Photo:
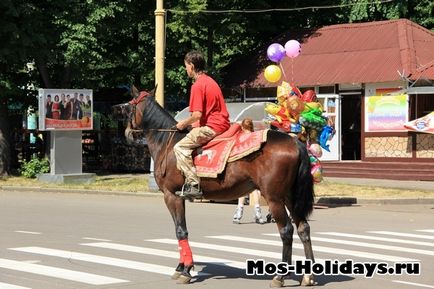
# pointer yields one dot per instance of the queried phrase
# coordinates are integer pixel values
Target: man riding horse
(280, 169)
(210, 117)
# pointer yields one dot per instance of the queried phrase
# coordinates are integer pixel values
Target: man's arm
(195, 116)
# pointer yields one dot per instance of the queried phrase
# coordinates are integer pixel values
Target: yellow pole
(159, 51)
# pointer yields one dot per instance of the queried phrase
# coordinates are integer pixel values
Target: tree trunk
(66, 79)
(43, 71)
(5, 152)
(210, 47)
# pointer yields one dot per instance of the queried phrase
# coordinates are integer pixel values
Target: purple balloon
(292, 48)
(275, 52)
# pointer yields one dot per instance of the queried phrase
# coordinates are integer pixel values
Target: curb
(350, 201)
(336, 201)
(329, 202)
(420, 201)
(79, 191)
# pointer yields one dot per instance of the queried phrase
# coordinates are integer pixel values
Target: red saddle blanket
(210, 160)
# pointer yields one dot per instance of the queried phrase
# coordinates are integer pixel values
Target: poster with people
(65, 109)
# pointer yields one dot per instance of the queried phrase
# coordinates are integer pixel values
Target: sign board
(65, 109)
(386, 112)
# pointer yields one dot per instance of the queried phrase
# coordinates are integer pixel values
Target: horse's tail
(303, 193)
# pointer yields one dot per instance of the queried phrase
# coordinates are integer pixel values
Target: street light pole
(159, 50)
(160, 15)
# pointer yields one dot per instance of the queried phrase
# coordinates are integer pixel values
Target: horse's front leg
(176, 208)
(285, 230)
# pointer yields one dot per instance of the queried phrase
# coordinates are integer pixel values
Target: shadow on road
(221, 271)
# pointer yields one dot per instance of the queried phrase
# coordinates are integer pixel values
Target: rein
(163, 162)
(134, 102)
(155, 129)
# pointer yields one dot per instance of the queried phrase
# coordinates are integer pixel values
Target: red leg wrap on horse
(181, 253)
(185, 252)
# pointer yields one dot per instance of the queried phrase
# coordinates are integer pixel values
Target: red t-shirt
(207, 97)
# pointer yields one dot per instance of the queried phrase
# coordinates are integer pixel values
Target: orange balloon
(272, 73)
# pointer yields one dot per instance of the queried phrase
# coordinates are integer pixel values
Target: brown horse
(280, 170)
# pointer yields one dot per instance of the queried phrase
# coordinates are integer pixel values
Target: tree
(420, 11)
(423, 12)
(4, 150)
(13, 76)
(107, 43)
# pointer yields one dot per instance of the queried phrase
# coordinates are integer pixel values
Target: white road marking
(239, 250)
(31, 261)
(95, 239)
(165, 253)
(29, 232)
(59, 273)
(147, 267)
(374, 245)
(317, 248)
(403, 235)
(413, 284)
(427, 231)
(11, 286)
(365, 237)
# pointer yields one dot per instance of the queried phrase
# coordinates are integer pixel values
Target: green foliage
(106, 43)
(424, 13)
(107, 121)
(34, 167)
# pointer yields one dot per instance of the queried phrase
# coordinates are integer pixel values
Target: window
(424, 104)
(326, 89)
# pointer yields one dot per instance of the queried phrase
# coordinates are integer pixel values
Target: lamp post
(160, 37)
(159, 50)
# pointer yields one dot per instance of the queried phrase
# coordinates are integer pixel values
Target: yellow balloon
(272, 73)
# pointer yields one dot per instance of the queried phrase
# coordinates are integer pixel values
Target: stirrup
(190, 192)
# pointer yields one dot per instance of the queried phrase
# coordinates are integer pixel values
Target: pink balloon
(292, 48)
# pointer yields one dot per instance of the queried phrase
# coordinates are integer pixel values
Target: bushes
(34, 167)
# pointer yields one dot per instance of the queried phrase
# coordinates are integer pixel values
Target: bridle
(132, 117)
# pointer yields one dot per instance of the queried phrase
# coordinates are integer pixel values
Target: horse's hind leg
(303, 230)
(285, 230)
(176, 208)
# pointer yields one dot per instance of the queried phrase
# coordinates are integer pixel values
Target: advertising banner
(423, 124)
(65, 109)
(386, 112)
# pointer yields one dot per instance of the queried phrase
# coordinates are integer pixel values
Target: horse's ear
(134, 91)
(152, 92)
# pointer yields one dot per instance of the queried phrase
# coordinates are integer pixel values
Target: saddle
(210, 160)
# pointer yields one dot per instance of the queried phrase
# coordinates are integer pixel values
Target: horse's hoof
(184, 279)
(178, 271)
(307, 280)
(277, 282)
(176, 275)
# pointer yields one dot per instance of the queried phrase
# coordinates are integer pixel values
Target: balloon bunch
(300, 114)
(276, 52)
(315, 152)
(297, 113)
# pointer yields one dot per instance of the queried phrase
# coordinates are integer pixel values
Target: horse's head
(133, 112)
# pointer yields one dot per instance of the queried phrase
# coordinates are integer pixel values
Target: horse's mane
(154, 118)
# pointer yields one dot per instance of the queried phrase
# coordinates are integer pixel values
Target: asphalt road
(51, 241)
